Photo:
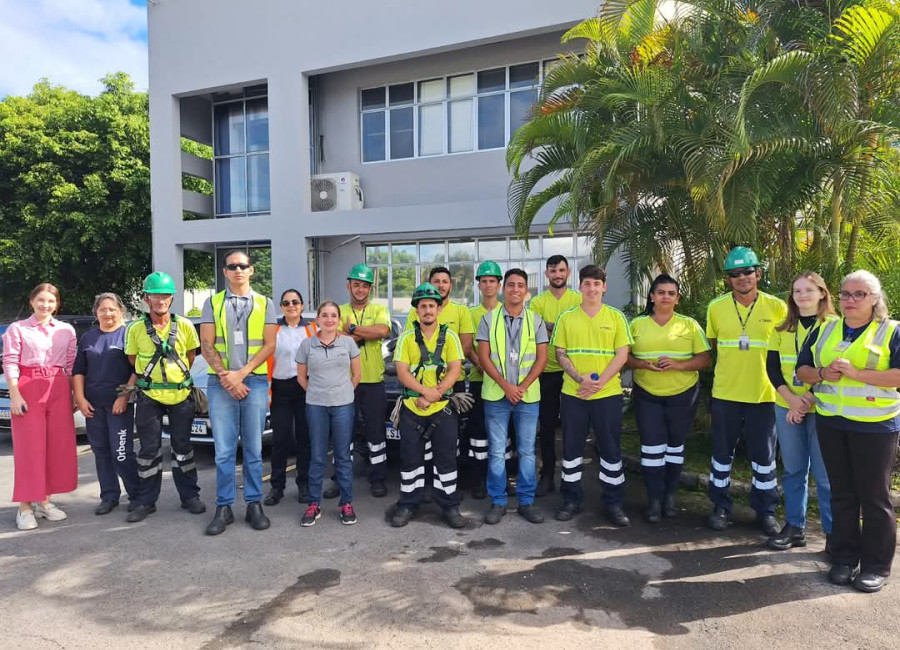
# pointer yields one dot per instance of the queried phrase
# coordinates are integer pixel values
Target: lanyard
(797, 346)
(749, 313)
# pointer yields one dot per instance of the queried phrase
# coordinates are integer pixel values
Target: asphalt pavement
(99, 582)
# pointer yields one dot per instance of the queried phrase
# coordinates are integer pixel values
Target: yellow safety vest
(849, 398)
(256, 324)
(789, 344)
(491, 390)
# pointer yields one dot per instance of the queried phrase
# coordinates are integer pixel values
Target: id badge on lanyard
(796, 381)
(744, 342)
(238, 337)
(843, 345)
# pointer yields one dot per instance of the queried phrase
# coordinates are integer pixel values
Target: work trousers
(44, 437)
(371, 404)
(148, 421)
(859, 468)
(290, 432)
(551, 391)
(757, 423)
(421, 444)
(604, 416)
(111, 438)
(663, 424)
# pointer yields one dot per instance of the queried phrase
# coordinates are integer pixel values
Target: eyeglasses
(235, 267)
(856, 296)
(288, 303)
(739, 272)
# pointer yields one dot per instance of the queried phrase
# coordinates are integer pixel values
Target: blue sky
(71, 42)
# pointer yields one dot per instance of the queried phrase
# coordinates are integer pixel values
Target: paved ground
(97, 582)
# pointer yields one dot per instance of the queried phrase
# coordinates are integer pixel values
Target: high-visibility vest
(849, 398)
(256, 324)
(491, 390)
(788, 344)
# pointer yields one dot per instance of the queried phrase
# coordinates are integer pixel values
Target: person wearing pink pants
(38, 354)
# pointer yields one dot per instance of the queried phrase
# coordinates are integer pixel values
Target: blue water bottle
(595, 376)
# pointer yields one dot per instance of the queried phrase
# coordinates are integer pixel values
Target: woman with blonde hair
(38, 354)
(854, 366)
(809, 307)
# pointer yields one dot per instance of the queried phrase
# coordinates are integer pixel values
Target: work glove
(462, 402)
(124, 389)
(395, 414)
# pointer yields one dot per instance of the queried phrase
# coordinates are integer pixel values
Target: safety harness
(165, 350)
(427, 358)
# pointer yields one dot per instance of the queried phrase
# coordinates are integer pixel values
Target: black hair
(236, 251)
(553, 260)
(439, 269)
(662, 278)
(593, 272)
(287, 291)
(522, 274)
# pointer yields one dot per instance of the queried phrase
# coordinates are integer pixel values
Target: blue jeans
(338, 422)
(496, 419)
(799, 453)
(234, 420)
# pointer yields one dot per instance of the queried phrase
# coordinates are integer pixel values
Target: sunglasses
(738, 273)
(288, 303)
(235, 267)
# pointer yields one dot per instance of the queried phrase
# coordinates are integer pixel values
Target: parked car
(81, 324)
(201, 427)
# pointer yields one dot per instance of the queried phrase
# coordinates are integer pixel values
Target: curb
(700, 481)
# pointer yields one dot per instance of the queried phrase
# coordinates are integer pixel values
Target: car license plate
(4, 415)
(198, 428)
(390, 433)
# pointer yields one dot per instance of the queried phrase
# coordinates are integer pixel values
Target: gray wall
(201, 46)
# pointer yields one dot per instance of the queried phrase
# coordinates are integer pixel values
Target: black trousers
(757, 423)
(859, 469)
(663, 424)
(551, 389)
(290, 432)
(416, 452)
(148, 421)
(371, 405)
(112, 441)
(476, 435)
(604, 416)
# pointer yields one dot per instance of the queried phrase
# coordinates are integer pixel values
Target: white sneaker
(25, 520)
(49, 512)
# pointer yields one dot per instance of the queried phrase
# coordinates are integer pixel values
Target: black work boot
(256, 517)
(789, 537)
(220, 520)
(454, 517)
(616, 516)
(274, 496)
(767, 524)
(653, 513)
(401, 516)
(670, 508)
(718, 519)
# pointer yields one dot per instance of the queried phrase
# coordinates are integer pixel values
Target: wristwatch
(352, 328)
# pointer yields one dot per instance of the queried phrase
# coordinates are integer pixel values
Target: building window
(401, 267)
(444, 115)
(241, 154)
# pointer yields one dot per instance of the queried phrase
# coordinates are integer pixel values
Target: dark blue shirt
(101, 359)
(805, 358)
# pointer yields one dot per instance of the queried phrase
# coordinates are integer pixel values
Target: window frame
(417, 103)
(246, 155)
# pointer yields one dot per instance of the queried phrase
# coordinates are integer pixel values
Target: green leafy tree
(74, 193)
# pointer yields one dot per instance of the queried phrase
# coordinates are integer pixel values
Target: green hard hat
(426, 290)
(159, 282)
(488, 268)
(740, 257)
(362, 272)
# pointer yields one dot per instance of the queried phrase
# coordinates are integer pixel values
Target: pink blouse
(28, 343)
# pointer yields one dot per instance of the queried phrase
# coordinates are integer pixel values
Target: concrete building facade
(416, 99)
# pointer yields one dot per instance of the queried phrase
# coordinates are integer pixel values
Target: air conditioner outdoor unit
(335, 192)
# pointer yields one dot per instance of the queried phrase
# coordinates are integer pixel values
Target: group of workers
(794, 375)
